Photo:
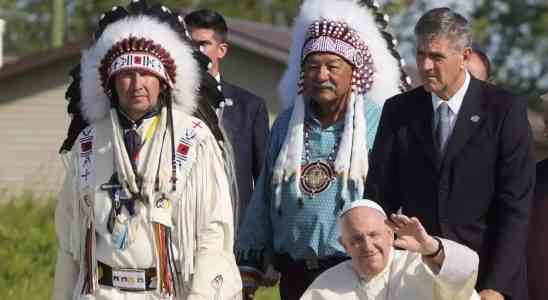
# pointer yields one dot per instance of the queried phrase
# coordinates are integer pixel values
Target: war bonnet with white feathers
(356, 31)
(158, 33)
(152, 37)
(370, 24)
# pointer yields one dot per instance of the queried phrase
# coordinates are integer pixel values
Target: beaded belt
(124, 279)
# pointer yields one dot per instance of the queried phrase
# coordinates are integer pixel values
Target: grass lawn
(28, 250)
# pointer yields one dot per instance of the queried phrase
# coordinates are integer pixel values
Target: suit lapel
(226, 89)
(470, 117)
(421, 125)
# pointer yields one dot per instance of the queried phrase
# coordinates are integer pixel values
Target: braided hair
(382, 20)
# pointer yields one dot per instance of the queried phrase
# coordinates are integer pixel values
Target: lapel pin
(475, 118)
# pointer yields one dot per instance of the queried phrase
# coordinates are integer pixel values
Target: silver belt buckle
(312, 263)
(129, 279)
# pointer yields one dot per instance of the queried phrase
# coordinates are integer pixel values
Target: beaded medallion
(316, 177)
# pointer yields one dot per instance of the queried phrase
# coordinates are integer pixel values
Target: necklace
(316, 176)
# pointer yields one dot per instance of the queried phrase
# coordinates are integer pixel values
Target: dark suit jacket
(479, 193)
(246, 123)
(537, 252)
(209, 97)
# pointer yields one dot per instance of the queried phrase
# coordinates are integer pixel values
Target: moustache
(138, 94)
(326, 85)
(428, 75)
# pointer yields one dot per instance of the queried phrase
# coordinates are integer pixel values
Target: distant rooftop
(10, 58)
(272, 41)
(264, 39)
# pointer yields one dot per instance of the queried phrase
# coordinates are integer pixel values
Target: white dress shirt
(455, 102)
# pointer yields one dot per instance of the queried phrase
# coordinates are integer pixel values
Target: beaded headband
(137, 54)
(338, 38)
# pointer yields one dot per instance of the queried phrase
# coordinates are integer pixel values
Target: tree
(512, 33)
(58, 24)
(25, 23)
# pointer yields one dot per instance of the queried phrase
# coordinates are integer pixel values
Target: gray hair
(443, 22)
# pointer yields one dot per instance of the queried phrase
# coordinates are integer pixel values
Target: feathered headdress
(139, 37)
(160, 36)
(356, 31)
(370, 24)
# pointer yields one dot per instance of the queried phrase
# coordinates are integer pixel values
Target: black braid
(382, 23)
(77, 123)
(382, 20)
(115, 14)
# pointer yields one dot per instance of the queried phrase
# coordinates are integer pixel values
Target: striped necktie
(442, 128)
(133, 142)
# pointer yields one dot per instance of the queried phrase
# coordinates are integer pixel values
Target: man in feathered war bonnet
(342, 67)
(145, 211)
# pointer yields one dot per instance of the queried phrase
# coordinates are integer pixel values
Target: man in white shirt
(427, 267)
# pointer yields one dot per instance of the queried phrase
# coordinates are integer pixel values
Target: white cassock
(406, 276)
(201, 214)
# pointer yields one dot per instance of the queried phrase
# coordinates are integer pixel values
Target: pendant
(119, 199)
(161, 211)
(316, 177)
(124, 231)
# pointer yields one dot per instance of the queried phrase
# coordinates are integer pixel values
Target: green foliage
(27, 248)
(267, 294)
(29, 26)
(514, 35)
(26, 25)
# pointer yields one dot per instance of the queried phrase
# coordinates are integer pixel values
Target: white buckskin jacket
(200, 216)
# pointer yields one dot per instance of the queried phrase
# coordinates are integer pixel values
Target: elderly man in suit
(242, 115)
(456, 153)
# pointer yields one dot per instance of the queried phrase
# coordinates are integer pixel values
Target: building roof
(23, 64)
(263, 39)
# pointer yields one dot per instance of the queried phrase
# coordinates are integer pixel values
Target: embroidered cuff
(460, 264)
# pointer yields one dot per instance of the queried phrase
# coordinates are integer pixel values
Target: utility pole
(2, 24)
(58, 23)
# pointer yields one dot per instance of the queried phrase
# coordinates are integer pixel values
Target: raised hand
(411, 235)
(490, 295)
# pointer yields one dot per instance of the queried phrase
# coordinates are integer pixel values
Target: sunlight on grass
(28, 249)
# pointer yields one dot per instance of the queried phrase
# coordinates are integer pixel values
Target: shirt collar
(455, 102)
(218, 77)
(313, 120)
(128, 123)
